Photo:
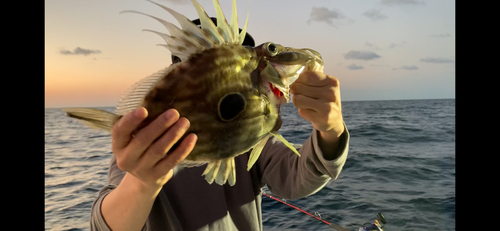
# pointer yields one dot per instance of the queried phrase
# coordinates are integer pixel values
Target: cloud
(80, 51)
(441, 35)
(374, 15)
(402, 2)
(362, 55)
(371, 45)
(354, 67)
(393, 45)
(323, 14)
(436, 60)
(412, 67)
(380, 65)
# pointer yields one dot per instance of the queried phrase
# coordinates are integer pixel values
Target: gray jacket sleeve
(115, 176)
(290, 176)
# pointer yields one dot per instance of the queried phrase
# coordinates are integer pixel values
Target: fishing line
(365, 227)
(316, 214)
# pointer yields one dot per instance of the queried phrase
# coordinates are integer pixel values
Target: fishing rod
(376, 226)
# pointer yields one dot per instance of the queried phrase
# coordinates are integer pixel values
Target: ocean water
(401, 163)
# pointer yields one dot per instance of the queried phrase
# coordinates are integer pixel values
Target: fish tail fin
(221, 171)
(94, 118)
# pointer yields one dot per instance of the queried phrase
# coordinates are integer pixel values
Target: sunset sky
(378, 49)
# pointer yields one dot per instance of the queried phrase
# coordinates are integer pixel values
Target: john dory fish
(230, 93)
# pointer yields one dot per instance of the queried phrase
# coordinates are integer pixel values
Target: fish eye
(272, 49)
(230, 106)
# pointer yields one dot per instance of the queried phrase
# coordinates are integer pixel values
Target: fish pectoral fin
(282, 139)
(254, 155)
(94, 118)
(221, 171)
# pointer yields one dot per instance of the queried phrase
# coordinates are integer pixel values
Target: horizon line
(363, 100)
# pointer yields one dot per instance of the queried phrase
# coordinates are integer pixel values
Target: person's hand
(142, 153)
(317, 96)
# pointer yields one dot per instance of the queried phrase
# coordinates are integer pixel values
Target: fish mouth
(279, 94)
(287, 75)
(281, 66)
(287, 66)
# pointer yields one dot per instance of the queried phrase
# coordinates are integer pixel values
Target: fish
(230, 93)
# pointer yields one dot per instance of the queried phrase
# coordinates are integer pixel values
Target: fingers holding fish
(317, 96)
(323, 93)
(177, 156)
(157, 150)
(128, 155)
(308, 106)
(144, 156)
(317, 85)
(123, 130)
(156, 158)
(147, 135)
(317, 79)
(324, 117)
(313, 110)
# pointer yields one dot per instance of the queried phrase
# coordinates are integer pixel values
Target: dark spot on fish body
(231, 105)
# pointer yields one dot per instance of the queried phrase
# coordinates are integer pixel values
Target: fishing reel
(375, 226)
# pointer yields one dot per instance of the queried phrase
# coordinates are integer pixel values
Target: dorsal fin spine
(222, 23)
(207, 24)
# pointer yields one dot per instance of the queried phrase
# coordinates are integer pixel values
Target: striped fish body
(215, 92)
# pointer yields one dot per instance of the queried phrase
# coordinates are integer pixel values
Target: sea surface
(401, 163)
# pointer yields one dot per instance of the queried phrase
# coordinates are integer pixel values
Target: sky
(378, 49)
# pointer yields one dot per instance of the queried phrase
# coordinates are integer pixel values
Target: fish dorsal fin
(207, 24)
(188, 26)
(134, 96)
(191, 39)
(222, 25)
(244, 30)
(234, 23)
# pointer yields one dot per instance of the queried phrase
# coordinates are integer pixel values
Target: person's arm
(127, 207)
(123, 193)
(139, 168)
(317, 97)
(290, 176)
